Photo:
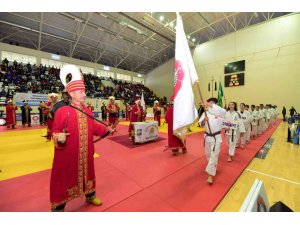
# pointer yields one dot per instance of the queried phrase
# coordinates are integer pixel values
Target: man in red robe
(127, 112)
(174, 142)
(112, 110)
(11, 114)
(157, 112)
(73, 173)
(135, 116)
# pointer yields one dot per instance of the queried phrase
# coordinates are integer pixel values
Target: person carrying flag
(215, 115)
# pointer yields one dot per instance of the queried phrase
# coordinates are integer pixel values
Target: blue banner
(32, 98)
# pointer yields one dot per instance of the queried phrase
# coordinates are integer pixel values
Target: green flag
(220, 94)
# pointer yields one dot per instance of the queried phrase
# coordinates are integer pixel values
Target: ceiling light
(55, 56)
(78, 20)
(188, 37)
(161, 18)
(103, 15)
(139, 75)
(100, 29)
(193, 40)
(172, 24)
(106, 68)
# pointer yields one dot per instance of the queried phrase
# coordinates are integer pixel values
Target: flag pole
(202, 101)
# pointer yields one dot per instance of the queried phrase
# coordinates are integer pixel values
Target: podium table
(144, 132)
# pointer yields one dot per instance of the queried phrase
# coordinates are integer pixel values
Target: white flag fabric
(143, 101)
(185, 112)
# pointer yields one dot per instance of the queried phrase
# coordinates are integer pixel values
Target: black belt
(212, 135)
(232, 134)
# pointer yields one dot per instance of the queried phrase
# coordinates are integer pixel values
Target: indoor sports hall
(150, 62)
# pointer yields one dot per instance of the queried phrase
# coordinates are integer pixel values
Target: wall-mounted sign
(234, 80)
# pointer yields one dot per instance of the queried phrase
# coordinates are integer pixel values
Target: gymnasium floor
(279, 172)
(144, 178)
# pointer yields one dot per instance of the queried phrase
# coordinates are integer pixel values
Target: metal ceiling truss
(71, 41)
(135, 41)
(40, 33)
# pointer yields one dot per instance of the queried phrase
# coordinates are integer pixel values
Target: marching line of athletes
(239, 127)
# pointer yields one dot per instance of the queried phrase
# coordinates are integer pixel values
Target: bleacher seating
(18, 77)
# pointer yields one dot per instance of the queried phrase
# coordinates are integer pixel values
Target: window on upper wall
(104, 73)
(138, 80)
(121, 76)
(20, 58)
(86, 70)
(50, 63)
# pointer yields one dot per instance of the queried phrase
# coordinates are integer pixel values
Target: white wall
(272, 54)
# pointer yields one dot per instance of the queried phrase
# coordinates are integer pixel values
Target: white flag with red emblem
(185, 112)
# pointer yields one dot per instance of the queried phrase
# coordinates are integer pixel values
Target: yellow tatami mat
(24, 152)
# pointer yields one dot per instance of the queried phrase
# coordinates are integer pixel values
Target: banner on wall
(32, 98)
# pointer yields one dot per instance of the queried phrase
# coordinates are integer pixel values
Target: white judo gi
(254, 122)
(235, 125)
(245, 119)
(213, 140)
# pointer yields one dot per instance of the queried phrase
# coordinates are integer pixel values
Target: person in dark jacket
(292, 111)
(284, 113)
(26, 117)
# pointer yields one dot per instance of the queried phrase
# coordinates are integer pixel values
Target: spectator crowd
(19, 77)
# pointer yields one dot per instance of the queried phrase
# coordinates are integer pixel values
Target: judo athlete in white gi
(232, 125)
(254, 120)
(272, 115)
(212, 137)
(245, 119)
(262, 119)
(255, 124)
(248, 128)
(268, 116)
(276, 113)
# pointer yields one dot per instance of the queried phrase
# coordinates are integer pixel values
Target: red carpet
(143, 178)
(124, 140)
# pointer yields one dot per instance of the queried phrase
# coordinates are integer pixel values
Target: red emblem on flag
(179, 76)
